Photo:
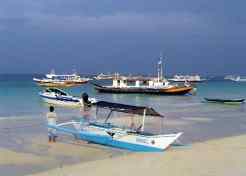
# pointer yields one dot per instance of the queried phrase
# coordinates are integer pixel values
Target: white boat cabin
(151, 83)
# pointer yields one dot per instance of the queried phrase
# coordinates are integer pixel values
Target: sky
(92, 36)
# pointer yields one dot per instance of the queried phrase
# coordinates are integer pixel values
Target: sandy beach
(216, 157)
(26, 151)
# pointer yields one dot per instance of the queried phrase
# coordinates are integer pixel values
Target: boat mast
(160, 69)
(161, 76)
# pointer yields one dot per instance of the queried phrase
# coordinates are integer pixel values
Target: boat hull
(169, 91)
(61, 102)
(59, 84)
(224, 101)
(132, 142)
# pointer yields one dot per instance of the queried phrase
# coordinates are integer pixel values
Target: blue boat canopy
(130, 109)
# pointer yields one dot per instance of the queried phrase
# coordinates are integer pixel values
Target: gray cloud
(199, 32)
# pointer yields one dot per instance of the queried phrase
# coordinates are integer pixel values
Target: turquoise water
(19, 98)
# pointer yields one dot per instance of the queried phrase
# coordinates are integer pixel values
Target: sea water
(198, 120)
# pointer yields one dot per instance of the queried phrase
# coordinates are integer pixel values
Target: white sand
(225, 157)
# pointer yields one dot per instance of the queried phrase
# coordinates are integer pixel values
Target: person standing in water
(51, 119)
(85, 109)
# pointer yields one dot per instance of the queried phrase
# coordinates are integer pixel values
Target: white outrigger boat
(108, 134)
(58, 97)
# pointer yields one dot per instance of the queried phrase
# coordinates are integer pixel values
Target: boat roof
(65, 75)
(56, 90)
(130, 109)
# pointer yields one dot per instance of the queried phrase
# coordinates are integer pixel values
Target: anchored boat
(158, 85)
(106, 133)
(162, 89)
(103, 76)
(58, 97)
(61, 81)
(225, 101)
(187, 78)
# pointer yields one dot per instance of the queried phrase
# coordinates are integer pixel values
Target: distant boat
(235, 78)
(226, 101)
(230, 77)
(240, 79)
(187, 78)
(58, 97)
(61, 81)
(159, 85)
(103, 76)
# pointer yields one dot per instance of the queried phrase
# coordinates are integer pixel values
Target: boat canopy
(55, 90)
(130, 109)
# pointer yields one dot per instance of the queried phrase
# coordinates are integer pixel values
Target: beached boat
(225, 101)
(106, 133)
(157, 85)
(61, 81)
(187, 78)
(58, 97)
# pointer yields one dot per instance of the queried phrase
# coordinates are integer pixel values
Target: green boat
(225, 101)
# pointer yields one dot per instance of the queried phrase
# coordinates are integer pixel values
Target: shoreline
(214, 157)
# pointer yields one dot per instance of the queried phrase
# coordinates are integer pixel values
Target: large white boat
(158, 85)
(109, 134)
(187, 78)
(54, 96)
(54, 80)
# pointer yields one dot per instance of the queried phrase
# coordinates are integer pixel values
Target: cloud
(119, 22)
(202, 31)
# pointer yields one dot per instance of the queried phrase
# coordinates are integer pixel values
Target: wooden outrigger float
(125, 138)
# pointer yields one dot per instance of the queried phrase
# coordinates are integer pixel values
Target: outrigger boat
(61, 81)
(106, 133)
(158, 85)
(58, 97)
(225, 101)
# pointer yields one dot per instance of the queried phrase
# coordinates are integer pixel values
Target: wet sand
(223, 157)
(24, 150)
